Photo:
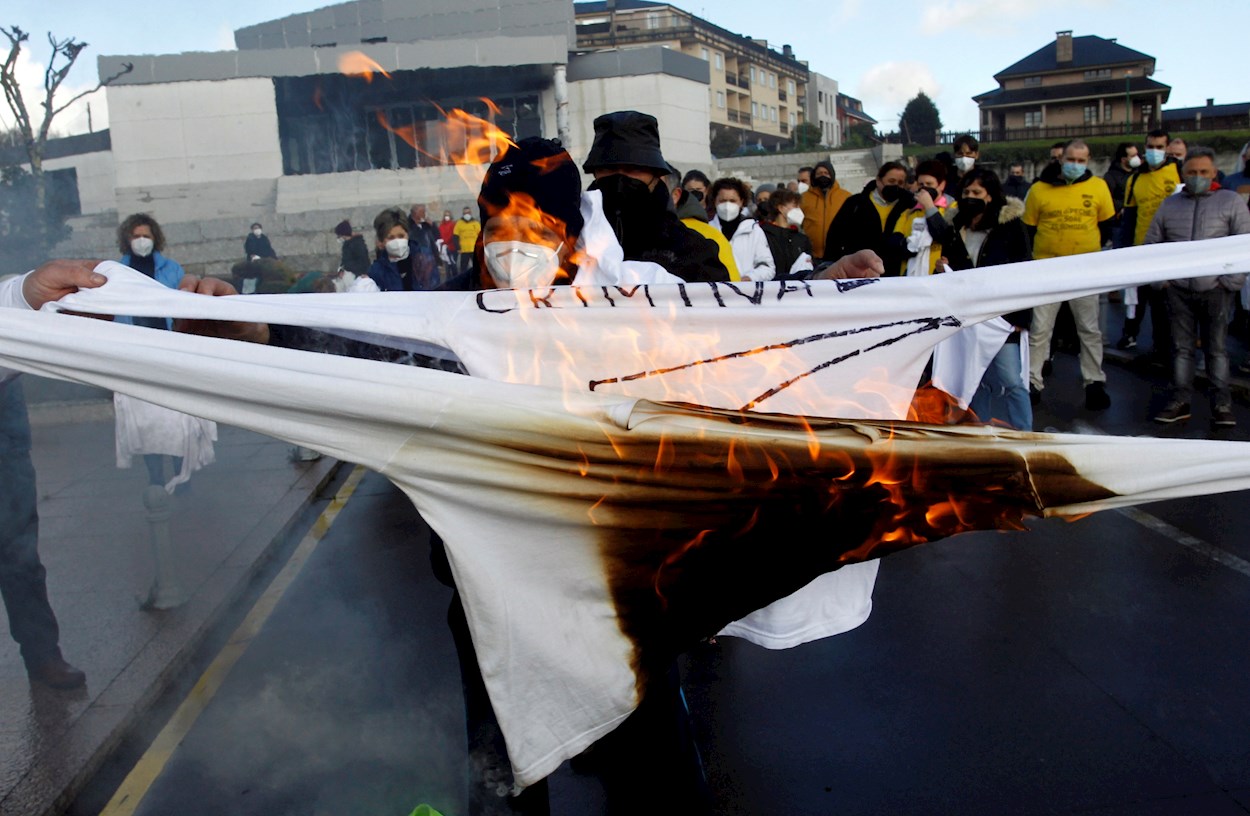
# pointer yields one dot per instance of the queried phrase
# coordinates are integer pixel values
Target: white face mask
(795, 217)
(518, 265)
(397, 248)
(257, 232)
(965, 163)
(1134, 162)
(727, 210)
(803, 187)
(467, 217)
(141, 246)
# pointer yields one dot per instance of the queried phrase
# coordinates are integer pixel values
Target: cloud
(30, 73)
(886, 88)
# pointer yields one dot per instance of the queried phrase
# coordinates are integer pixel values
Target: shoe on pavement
(56, 673)
(1126, 343)
(1222, 417)
(1096, 397)
(1174, 412)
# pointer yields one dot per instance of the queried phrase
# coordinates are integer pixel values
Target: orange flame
(355, 63)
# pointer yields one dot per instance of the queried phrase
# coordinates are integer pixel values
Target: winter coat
(168, 273)
(792, 251)
(750, 248)
(819, 210)
(1006, 242)
(1117, 182)
(858, 226)
(258, 246)
(1187, 217)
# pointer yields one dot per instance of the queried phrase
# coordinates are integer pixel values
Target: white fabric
(572, 470)
(803, 263)
(362, 285)
(918, 244)
(750, 250)
(343, 280)
(142, 428)
(960, 361)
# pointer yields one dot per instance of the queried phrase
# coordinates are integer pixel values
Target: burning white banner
(621, 528)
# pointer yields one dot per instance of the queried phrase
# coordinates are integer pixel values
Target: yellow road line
(150, 766)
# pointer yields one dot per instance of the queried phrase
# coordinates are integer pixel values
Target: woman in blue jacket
(141, 240)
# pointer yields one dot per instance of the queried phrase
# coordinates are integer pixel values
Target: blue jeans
(1002, 394)
(22, 576)
(1206, 312)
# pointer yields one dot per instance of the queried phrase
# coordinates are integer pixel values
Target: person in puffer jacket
(1201, 211)
(750, 246)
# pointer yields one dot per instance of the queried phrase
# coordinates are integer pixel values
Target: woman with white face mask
(141, 242)
(781, 220)
(750, 246)
(394, 268)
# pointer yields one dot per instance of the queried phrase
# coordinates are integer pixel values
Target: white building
(276, 132)
(822, 108)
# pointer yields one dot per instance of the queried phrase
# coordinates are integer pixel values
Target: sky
(881, 54)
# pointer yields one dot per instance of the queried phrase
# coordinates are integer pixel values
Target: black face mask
(933, 193)
(970, 208)
(892, 192)
(634, 212)
(823, 182)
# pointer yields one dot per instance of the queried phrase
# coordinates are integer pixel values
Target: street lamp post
(1128, 103)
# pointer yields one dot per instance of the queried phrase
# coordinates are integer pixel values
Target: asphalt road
(1096, 667)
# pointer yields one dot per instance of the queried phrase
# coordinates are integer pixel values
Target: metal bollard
(166, 592)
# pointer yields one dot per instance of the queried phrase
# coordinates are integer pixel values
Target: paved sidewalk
(94, 542)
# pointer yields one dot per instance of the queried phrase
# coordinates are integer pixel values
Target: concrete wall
(680, 105)
(188, 150)
(853, 168)
(96, 193)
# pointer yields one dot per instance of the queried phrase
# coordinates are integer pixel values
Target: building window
(820, 97)
(774, 114)
(1033, 80)
(1098, 73)
(1147, 113)
(1090, 114)
(720, 62)
(655, 20)
(792, 120)
(703, 54)
(1107, 113)
(752, 74)
(720, 99)
(772, 80)
(755, 109)
(790, 86)
(1033, 118)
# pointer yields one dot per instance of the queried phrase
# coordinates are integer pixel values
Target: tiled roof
(1087, 52)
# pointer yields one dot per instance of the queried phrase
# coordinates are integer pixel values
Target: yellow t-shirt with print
(1067, 216)
(1146, 191)
(466, 232)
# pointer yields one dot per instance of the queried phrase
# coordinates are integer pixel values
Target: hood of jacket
(692, 208)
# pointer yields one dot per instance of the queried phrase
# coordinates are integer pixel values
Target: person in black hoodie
(989, 232)
(781, 219)
(628, 167)
(868, 218)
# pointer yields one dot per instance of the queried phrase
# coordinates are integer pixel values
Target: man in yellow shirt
(1069, 211)
(1144, 191)
(466, 232)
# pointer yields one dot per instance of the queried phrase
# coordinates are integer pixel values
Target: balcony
(737, 80)
(785, 127)
(739, 117)
(781, 94)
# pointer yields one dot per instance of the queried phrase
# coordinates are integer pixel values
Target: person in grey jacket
(1201, 211)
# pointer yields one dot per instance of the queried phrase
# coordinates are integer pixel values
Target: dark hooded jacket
(858, 226)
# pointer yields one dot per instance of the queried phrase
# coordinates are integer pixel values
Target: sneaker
(1222, 417)
(1126, 343)
(1096, 397)
(1174, 412)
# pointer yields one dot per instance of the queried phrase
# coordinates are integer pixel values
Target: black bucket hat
(626, 138)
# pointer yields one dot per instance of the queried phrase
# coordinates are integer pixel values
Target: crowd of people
(942, 214)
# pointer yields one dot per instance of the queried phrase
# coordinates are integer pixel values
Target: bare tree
(35, 138)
